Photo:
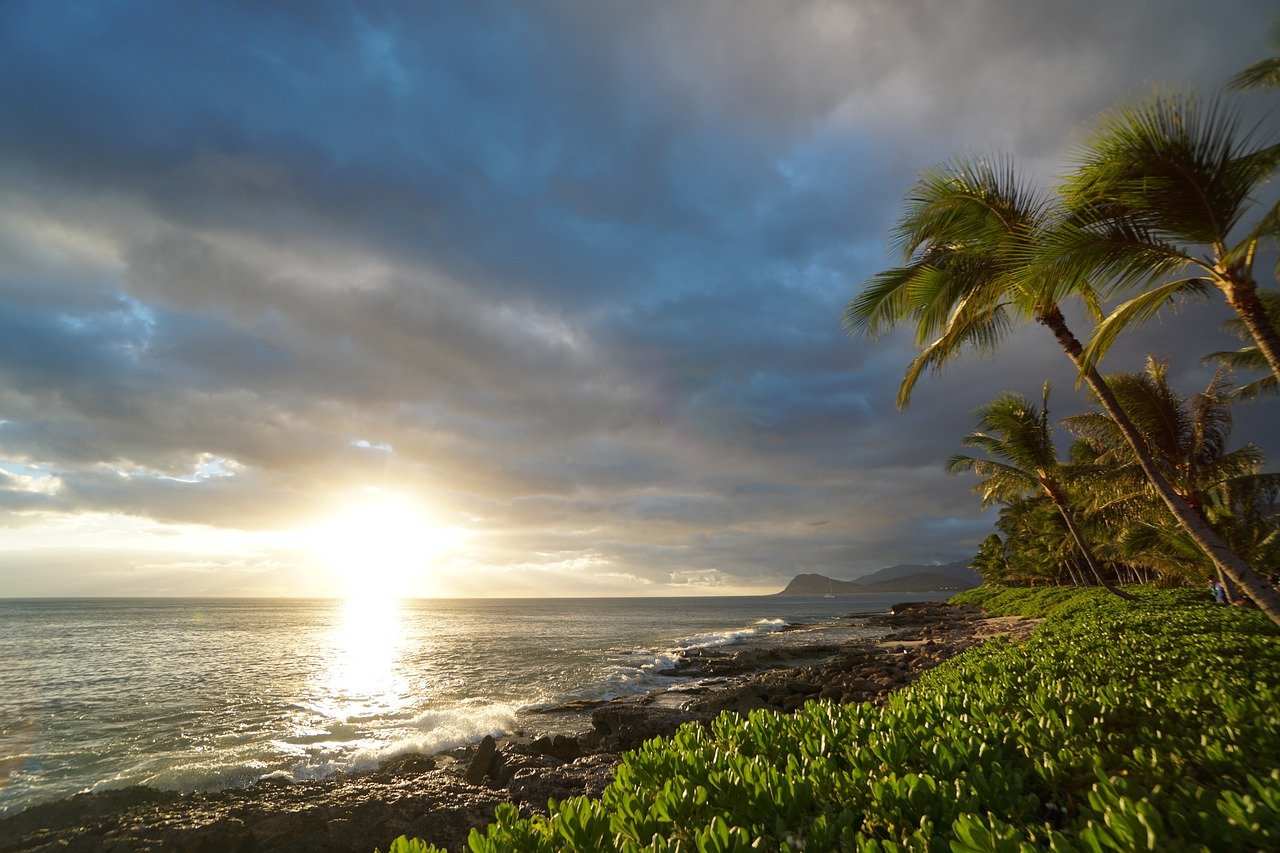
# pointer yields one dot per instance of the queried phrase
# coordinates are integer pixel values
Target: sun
(380, 545)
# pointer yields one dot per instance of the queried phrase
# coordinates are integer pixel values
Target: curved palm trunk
(1233, 595)
(1051, 490)
(1223, 558)
(1243, 299)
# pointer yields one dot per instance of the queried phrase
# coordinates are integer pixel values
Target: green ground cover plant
(1117, 726)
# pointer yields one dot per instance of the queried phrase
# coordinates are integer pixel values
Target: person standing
(1218, 590)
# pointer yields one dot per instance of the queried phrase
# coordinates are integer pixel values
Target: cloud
(572, 274)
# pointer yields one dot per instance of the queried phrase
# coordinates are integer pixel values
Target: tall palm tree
(1189, 439)
(1016, 434)
(1250, 358)
(972, 236)
(1159, 203)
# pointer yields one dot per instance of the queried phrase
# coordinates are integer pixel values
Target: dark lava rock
(624, 726)
(586, 776)
(565, 748)
(355, 813)
(408, 764)
(481, 763)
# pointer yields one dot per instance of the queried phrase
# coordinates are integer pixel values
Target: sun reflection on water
(364, 676)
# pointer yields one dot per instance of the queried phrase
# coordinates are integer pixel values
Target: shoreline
(563, 751)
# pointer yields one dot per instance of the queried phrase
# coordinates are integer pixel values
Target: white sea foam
(191, 776)
(728, 638)
(444, 729)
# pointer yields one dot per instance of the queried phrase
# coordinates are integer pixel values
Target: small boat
(830, 589)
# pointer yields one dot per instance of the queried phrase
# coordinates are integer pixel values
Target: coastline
(564, 750)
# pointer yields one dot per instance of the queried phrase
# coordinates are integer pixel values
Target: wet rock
(480, 764)
(408, 764)
(354, 813)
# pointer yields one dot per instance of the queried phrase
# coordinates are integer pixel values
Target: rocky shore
(440, 798)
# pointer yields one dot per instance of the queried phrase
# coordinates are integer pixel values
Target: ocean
(200, 694)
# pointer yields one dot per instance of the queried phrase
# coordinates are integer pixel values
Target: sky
(518, 299)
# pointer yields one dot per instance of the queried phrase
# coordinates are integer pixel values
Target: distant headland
(901, 578)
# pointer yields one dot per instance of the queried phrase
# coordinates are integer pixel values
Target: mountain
(901, 578)
(919, 582)
(959, 570)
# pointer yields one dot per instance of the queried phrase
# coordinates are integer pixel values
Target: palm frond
(1113, 253)
(1137, 311)
(883, 301)
(1263, 74)
(980, 327)
(1177, 164)
(1264, 230)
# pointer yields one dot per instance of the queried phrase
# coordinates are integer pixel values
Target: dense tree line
(1161, 205)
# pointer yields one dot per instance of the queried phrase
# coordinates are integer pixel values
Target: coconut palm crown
(1163, 202)
(967, 236)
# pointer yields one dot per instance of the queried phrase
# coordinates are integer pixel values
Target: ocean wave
(728, 638)
(443, 729)
(193, 776)
(642, 669)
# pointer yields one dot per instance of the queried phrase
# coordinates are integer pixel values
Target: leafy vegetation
(1117, 726)
(1122, 530)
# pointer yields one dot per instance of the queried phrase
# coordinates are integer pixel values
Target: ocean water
(193, 694)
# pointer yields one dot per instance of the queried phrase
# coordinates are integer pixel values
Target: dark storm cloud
(573, 270)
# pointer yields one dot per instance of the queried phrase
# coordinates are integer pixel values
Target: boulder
(565, 748)
(409, 764)
(482, 761)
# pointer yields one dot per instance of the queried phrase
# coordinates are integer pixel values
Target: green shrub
(1149, 725)
(1032, 602)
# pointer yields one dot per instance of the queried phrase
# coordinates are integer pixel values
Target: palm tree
(1250, 357)
(990, 562)
(1157, 202)
(1189, 440)
(1016, 434)
(1038, 548)
(973, 237)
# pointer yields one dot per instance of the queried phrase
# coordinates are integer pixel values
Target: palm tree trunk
(1072, 572)
(1243, 299)
(1202, 534)
(1067, 517)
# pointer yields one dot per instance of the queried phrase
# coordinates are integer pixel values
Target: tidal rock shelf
(441, 798)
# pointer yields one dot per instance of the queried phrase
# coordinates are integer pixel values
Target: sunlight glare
(363, 676)
(380, 546)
